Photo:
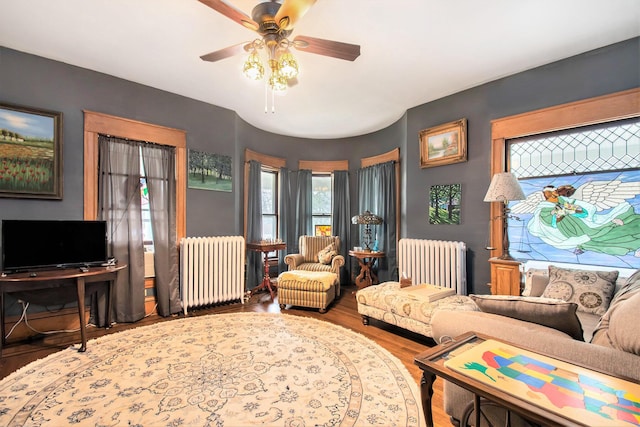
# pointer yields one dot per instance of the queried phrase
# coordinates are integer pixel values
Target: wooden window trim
(100, 123)
(324, 166)
(602, 109)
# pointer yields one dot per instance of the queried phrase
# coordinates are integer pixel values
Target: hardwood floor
(402, 344)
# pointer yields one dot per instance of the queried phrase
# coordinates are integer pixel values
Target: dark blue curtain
(254, 224)
(341, 218)
(377, 194)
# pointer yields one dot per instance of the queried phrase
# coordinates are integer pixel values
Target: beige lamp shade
(504, 187)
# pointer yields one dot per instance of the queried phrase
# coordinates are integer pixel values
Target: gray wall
(33, 81)
(607, 70)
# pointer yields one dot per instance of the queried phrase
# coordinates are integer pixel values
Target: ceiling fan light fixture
(253, 67)
(288, 65)
(278, 82)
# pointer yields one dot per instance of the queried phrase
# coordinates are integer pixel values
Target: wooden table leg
(83, 332)
(373, 278)
(476, 408)
(2, 331)
(363, 280)
(426, 392)
(266, 279)
(109, 302)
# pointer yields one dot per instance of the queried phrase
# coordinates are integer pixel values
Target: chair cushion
(307, 280)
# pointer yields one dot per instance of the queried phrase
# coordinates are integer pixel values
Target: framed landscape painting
(444, 144)
(30, 153)
(209, 171)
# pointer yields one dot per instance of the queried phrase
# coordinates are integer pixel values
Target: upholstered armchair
(310, 247)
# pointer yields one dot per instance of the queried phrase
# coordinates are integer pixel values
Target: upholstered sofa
(317, 253)
(535, 322)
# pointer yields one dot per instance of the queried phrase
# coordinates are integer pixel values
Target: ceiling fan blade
(232, 13)
(291, 11)
(340, 50)
(224, 53)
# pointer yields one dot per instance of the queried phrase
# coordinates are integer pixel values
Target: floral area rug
(240, 369)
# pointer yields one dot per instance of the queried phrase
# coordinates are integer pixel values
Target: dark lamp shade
(366, 218)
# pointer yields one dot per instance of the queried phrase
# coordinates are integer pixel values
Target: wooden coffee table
(513, 377)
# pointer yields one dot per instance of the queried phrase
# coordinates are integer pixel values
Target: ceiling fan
(274, 22)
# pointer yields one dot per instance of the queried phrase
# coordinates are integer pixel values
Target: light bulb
(288, 65)
(253, 68)
(277, 82)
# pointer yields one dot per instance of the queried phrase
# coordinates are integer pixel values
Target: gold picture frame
(444, 144)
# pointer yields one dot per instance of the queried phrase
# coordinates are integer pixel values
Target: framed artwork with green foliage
(444, 204)
(209, 171)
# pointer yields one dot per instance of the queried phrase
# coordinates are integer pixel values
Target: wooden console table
(543, 389)
(39, 280)
(366, 259)
(265, 248)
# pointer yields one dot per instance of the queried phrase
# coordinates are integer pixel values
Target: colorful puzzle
(571, 391)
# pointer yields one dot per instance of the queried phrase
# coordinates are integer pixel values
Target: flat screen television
(45, 244)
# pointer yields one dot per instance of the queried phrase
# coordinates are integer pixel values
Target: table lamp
(504, 188)
(367, 219)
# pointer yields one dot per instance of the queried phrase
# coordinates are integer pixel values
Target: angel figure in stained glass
(595, 217)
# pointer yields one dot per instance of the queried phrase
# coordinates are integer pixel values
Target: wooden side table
(48, 279)
(505, 277)
(367, 277)
(265, 248)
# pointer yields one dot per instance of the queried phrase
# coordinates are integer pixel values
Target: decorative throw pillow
(552, 313)
(535, 282)
(326, 255)
(623, 325)
(591, 290)
(602, 334)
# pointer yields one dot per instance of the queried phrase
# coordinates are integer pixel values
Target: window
(96, 123)
(603, 109)
(147, 231)
(582, 189)
(321, 204)
(269, 182)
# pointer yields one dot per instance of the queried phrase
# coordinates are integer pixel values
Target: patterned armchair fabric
(307, 259)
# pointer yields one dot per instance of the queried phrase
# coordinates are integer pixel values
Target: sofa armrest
(536, 338)
(447, 323)
(293, 260)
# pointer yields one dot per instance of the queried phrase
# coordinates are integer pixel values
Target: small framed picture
(209, 171)
(323, 230)
(444, 204)
(443, 145)
(30, 153)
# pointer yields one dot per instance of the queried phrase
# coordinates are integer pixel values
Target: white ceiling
(412, 51)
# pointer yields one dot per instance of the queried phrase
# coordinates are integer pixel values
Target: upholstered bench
(407, 307)
(313, 289)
